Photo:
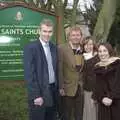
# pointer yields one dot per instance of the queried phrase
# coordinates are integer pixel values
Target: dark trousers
(73, 106)
(43, 112)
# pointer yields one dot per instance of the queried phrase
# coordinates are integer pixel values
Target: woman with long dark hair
(107, 88)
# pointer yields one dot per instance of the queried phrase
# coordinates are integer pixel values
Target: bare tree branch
(65, 3)
(49, 5)
(74, 12)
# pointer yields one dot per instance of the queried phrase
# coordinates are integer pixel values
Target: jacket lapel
(53, 54)
(70, 54)
(42, 53)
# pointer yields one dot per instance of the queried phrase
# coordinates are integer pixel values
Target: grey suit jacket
(36, 71)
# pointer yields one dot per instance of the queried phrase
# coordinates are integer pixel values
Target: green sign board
(18, 26)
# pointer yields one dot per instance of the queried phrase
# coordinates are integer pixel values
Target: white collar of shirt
(73, 47)
(44, 46)
(43, 43)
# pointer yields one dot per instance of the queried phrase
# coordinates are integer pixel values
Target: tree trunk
(105, 20)
(59, 9)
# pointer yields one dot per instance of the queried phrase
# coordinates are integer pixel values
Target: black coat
(108, 85)
(89, 75)
(36, 75)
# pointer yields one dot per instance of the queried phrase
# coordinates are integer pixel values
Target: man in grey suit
(40, 74)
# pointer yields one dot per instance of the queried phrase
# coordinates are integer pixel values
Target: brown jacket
(69, 78)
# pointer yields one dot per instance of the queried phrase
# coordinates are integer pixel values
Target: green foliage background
(13, 100)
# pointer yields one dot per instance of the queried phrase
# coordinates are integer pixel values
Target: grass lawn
(13, 100)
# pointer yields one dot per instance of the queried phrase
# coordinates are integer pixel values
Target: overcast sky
(82, 3)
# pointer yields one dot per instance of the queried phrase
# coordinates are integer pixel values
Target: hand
(38, 101)
(62, 92)
(107, 101)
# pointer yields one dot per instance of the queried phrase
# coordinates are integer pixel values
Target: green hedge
(13, 100)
